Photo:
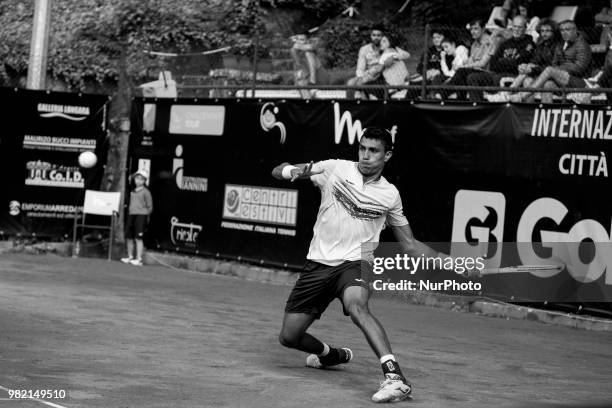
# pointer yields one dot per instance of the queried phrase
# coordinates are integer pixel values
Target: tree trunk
(115, 175)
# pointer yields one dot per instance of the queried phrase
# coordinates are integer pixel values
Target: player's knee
(288, 339)
(550, 84)
(358, 311)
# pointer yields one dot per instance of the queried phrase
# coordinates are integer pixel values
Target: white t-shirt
(351, 212)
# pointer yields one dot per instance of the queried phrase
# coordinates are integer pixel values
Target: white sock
(325, 350)
(387, 357)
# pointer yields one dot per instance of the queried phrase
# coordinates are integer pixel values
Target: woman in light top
(460, 56)
(394, 69)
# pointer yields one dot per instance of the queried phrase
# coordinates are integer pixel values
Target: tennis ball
(88, 159)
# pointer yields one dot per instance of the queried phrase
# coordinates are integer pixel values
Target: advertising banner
(522, 179)
(39, 149)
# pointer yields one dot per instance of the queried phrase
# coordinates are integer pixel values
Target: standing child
(141, 206)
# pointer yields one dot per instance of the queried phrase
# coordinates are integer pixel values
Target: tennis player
(356, 202)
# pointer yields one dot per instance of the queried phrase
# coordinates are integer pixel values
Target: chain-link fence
(475, 61)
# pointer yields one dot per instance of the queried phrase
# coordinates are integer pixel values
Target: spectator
(394, 70)
(368, 68)
(532, 21)
(569, 67)
(432, 56)
(480, 54)
(308, 69)
(605, 15)
(506, 60)
(483, 46)
(459, 55)
(139, 211)
(543, 54)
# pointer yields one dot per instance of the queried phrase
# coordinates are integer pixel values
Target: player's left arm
(412, 246)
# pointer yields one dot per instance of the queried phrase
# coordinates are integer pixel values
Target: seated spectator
(432, 56)
(394, 69)
(308, 69)
(533, 22)
(480, 54)
(604, 18)
(508, 56)
(569, 67)
(542, 55)
(459, 55)
(368, 69)
(605, 15)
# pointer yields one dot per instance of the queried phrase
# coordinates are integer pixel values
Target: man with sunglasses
(356, 203)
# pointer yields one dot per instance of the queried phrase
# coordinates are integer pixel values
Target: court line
(51, 404)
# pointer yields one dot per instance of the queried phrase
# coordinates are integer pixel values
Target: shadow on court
(113, 335)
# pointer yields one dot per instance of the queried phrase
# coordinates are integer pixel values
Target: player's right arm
(287, 171)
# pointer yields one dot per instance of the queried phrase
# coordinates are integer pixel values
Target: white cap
(142, 173)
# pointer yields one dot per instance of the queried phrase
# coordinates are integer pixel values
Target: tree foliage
(89, 36)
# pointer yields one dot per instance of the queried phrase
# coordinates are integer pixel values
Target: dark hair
(525, 4)
(378, 27)
(392, 43)
(548, 22)
(477, 21)
(381, 134)
(438, 31)
(450, 40)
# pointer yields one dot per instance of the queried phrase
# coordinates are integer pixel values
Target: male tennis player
(356, 201)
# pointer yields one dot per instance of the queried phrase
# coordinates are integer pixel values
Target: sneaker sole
(403, 397)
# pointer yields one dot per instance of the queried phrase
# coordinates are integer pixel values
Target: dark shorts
(318, 285)
(136, 226)
(576, 82)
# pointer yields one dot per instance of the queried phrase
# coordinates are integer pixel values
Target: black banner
(44, 134)
(487, 173)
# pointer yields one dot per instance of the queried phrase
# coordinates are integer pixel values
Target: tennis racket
(523, 269)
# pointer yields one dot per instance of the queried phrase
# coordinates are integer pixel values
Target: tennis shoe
(136, 262)
(127, 260)
(344, 356)
(394, 388)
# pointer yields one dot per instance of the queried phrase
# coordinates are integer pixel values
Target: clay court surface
(113, 335)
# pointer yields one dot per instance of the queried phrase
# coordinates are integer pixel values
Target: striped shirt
(351, 212)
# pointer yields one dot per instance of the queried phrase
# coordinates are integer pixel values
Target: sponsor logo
(74, 113)
(260, 204)
(14, 208)
(390, 365)
(39, 210)
(563, 246)
(479, 220)
(51, 175)
(205, 120)
(354, 129)
(68, 144)
(572, 123)
(182, 233)
(186, 183)
(268, 121)
(584, 164)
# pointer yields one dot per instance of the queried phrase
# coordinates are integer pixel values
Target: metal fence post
(424, 70)
(256, 51)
